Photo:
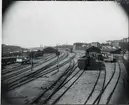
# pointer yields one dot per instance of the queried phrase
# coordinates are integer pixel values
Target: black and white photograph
(65, 52)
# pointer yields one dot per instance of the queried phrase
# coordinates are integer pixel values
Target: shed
(50, 50)
(117, 51)
(93, 49)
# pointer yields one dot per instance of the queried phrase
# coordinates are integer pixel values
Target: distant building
(50, 50)
(26, 53)
(78, 46)
(64, 46)
(125, 40)
(117, 51)
(105, 44)
(96, 44)
(114, 43)
(107, 49)
(93, 49)
(109, 42)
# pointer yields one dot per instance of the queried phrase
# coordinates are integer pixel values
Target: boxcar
(82, 63)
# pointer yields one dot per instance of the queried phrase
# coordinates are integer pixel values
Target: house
(106, 49)
(114, 43)
(96, 44)
(77, 46)
(125, 40)
(117, 51)
(80, 46)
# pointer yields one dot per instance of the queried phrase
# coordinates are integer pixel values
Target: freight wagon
(8, 60)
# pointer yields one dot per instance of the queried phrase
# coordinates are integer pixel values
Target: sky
(32, 23)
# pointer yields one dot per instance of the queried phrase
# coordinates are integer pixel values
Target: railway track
(55, 67)
(65, 82)
(93, 89)
(25, 80)
(110, 96)
(31, 77)
(102, 86)
(57, 82)
(7, 70)
(27, 72)
(54, 91)
(20, 67)
(57, 85)
(94, 86)
(60, 96)
(98, 98)
(24, 69)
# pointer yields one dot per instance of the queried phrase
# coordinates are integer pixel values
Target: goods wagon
(83, 63)
(8, 60)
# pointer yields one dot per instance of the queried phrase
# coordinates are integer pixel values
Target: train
(25, 57)
(18, 57)
(8, 60)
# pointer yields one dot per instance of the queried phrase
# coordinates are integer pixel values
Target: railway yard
(65, 52)
(61, 81)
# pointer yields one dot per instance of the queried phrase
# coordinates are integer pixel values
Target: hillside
(11, 48)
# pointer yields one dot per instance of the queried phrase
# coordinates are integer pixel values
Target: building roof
(78, 43)
(9, 57)
(95, 42)
(50, 50)
(116, 51)
(107, 48)
(93, 49)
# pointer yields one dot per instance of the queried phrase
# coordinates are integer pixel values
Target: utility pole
(22, 56)
(22, 52)
(57, 53)
(31, 60)
(66, 46)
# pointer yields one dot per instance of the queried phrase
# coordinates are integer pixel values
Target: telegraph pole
(31, 60)
(22, 52)
(57, 53)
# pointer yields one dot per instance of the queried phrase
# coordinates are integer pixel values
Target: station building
(77, 46)
(94, 51)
